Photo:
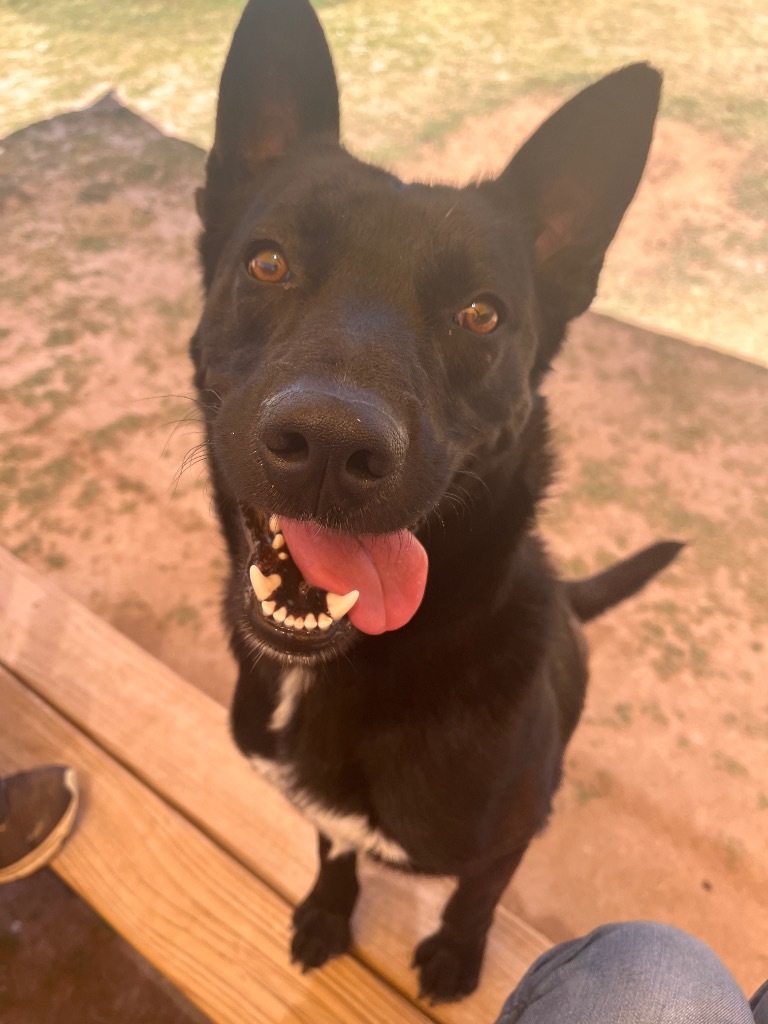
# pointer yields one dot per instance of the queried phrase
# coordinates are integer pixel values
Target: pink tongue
(390, 571)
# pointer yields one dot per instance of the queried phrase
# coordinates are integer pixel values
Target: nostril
(289, 446)
(365, 465)
(359, 466)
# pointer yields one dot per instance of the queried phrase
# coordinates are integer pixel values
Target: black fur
(448, 734)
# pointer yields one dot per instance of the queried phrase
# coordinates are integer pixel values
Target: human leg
(633, 973)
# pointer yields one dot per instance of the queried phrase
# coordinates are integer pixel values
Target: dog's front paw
(318, 935)
(449, 968)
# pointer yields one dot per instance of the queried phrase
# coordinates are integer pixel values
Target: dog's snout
(329, 447)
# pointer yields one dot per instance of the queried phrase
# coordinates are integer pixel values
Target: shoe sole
(50, 846)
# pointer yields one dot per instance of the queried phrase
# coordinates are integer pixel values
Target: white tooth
(274, 524)
(324, 621)
(298, 622)
(282, 556)
(289, 621)
(268, 607)
(339, 605)
(264, 586)
(278, 542)
(310, 622)
(280, 614)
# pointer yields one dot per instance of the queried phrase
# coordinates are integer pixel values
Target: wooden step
(173, 741)
(213, 928)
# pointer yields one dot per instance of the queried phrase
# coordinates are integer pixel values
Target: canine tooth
(274, 524)
(298, 622)
(264, 586)
(280, 614)
(310, 622)
(283, 556)
(340, 604)
(278, 541)
(268, 607)
(324, 621)
(289, 621)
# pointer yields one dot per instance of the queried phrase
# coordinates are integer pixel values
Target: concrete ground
(664, 811)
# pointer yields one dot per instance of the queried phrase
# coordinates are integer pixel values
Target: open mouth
(282, 597)
(307, 583)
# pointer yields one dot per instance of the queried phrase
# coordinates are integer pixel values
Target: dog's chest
(346, 831)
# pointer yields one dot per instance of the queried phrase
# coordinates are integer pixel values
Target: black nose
(329, 446)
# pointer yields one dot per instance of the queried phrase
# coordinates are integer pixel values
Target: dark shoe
(37, 811)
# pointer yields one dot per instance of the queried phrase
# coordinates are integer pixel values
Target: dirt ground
(664, 811)
(61, 963)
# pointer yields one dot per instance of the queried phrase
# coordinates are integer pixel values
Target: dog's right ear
(278, 87)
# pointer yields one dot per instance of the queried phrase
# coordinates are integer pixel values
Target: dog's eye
(269, 265)
(480, 317)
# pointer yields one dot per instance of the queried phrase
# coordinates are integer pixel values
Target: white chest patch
(293, 686)
(347, 832)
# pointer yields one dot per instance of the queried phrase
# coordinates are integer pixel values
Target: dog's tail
(593, 595)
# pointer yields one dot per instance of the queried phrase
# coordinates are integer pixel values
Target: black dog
(369, 361)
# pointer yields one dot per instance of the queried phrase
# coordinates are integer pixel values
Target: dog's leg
(321, 923)
(449, 961)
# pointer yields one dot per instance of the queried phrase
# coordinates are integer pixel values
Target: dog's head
(369, 351)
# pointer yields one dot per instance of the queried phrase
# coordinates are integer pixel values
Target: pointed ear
(574, 178)
(278, 86)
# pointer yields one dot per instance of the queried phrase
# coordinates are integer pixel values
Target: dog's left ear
(574, 178)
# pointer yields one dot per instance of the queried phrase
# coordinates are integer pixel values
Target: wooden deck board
(204, 920)
(175, 739)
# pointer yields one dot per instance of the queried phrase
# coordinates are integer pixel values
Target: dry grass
(413, 73)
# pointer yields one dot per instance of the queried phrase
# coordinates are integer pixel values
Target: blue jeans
(638, 973)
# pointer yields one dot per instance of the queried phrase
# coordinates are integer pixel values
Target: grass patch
(653, 711)
(35, 380)
(182, 615)
(46, 482)
(56, 560)
(669, 661)
(30, 548)
(125, 485)
(90, 493)
(114, 434)
(94, 243)
(58, 337)
(21, 452)
(751, 194)
(624, 713)
(9, 475)
(147, 359)
(97, 192)
(729, 765)
(596, 789)
(600, 481)
(733, 852)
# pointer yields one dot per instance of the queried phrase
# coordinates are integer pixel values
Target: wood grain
(203, 919)
(175, 739)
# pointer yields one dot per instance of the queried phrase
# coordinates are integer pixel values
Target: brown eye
(480, 317)
(269, 265)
